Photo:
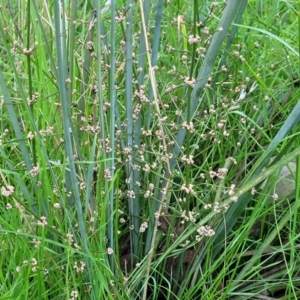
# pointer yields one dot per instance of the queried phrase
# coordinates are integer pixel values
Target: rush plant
(142, 149)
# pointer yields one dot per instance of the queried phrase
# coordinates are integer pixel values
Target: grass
(141, 149)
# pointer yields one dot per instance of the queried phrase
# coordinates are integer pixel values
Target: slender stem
(113, 103)
(30, 92)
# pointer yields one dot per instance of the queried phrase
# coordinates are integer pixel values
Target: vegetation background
(149, 149)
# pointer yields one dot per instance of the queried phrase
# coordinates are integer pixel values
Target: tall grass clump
(149, 149)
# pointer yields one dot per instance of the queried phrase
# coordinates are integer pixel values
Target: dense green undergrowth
(136, 144)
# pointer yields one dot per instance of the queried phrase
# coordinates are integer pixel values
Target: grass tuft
(149, 150)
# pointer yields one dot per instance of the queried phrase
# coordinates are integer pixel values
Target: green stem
(30, 92)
